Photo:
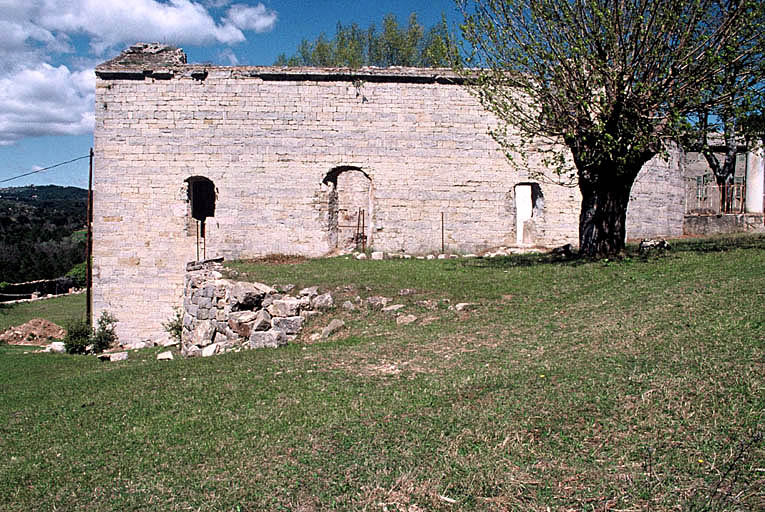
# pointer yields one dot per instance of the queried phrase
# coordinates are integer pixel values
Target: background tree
(614, 80)
(41, 231)
(393, 45)
(721, 131)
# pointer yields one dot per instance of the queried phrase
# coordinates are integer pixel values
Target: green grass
(57, 310)
(625, 385)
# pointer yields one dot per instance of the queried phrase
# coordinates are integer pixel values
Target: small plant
(174, 326)
(77, 336)
(104, 336)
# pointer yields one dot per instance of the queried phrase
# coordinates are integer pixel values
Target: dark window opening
(202, 198)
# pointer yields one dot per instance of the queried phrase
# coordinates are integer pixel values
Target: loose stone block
(405, 319)
(248, 296)
(203, 333)
(241, 322)
(210, 350)
(334, 326)
(323, 301)
(262, 321)
(191, 351)
(377, 302)
(310, 291)
(290, 324)
(284, 307)
(267, 339)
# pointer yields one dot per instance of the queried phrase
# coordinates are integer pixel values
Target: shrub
(77, 336)
(80, 338)
(174, 326)
(79, 274)
(104, 336)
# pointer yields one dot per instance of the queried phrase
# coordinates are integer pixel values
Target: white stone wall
(657, 199)
(268, 145)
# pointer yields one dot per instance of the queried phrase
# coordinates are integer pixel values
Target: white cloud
(258, 18)
(37, 98)
(46, 100)
(229, 57)
(113, 22)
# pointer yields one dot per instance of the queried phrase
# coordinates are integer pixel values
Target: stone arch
(529, 212)
(350, 207)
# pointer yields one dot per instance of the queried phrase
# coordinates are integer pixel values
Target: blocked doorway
(350, 208)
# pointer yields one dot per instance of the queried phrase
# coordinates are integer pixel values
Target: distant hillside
(45, 193)
(37, 225)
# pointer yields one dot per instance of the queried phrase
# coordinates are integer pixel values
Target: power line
(45, 168)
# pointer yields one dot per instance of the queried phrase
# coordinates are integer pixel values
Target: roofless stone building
(196, 161)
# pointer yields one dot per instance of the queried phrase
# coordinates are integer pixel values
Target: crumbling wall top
(147, 54)
(161, 61)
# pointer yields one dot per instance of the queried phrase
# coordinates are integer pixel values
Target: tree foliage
(38, 231)
(614, 80)
(391, 45)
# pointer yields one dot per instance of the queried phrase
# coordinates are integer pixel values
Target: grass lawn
(58, 310)
(626, 385)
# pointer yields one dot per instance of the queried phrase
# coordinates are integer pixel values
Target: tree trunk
(725, 187)
(602, 220)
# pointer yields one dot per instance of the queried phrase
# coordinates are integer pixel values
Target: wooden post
(89, 250)
(442, 233)
(363, 232)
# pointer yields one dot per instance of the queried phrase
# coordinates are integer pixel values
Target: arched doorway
(350, 207)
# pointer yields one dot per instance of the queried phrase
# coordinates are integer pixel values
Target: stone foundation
(221, 315)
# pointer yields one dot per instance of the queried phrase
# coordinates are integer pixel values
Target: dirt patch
(37, 331)
(278, 259)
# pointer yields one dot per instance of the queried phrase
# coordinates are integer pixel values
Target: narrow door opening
(201, 199)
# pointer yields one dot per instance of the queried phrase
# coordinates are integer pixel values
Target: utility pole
(89, 252)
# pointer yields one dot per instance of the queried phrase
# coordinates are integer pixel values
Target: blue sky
(48, 49)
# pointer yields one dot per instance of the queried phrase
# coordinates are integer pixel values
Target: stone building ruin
(197, 161)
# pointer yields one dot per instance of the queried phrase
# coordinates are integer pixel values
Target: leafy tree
(393, 45)
(614, 80)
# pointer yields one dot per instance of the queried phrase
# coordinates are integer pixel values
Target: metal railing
(707, 198)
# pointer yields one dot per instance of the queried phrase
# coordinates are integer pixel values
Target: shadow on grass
(721, 243)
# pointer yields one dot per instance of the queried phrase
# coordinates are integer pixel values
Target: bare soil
(37, 331)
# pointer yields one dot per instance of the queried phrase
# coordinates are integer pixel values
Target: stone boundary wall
(702, 225)
(221, 315)
(34, 289)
